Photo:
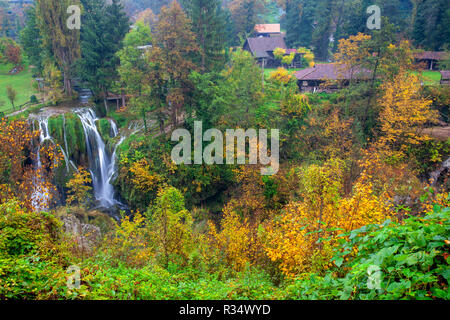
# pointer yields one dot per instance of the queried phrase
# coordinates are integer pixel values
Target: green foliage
(104, 27)
(155, 283)
(33, 99)
(74, 132)
(209, 25)
(31, 40)
(413, 258)
(170, 227)
(104, 128)
(31, 259)
(210, 181)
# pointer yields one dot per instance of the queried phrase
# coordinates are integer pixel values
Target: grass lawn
(431, 77)
(21, 82)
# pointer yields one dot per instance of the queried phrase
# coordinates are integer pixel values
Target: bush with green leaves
(393, 261)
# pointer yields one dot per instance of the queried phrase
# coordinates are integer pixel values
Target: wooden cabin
(313, 79)
(445, 77)
(431, 59)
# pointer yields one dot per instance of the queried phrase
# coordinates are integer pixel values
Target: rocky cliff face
(87, 236)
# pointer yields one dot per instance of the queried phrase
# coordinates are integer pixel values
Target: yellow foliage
(279, 53)
(143, 179)
(130, 242)
(281, 75)
(79, 188)
(404, 113)
(293, 241)
(233, 241)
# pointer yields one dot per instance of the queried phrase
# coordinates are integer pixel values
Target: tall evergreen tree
(209, 26)
(324, 12)
(299, 22)
(103, 29)
(31, 40)
(245, 15)
(431, 29)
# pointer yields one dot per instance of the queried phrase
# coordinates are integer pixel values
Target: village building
(313, 79)
(430, 59)
(445, 77)
(267, 38)
(267, 30)
(262, 49)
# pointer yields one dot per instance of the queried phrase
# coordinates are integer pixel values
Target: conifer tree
(104, 27)
(31, 40)
(299, 22)
(208, 23)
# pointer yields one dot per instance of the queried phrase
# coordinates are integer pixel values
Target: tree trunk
(106, 104)
(123, 98)
(67, 85)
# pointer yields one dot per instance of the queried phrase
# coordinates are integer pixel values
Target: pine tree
(324, 12)
(208, 23)
(299, 22)
(104, 28)
(245, 15)
(431, 29)
(31, 40)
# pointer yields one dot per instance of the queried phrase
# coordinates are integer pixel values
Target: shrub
(412, 259)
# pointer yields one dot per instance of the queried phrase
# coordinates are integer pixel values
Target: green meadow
(21, 82)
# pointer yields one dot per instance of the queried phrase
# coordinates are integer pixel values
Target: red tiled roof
(268, 28)
(329, 71)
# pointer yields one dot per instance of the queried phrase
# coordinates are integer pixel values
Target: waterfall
(114, 130)
(102, 165)
(40, 198)
(437, 174)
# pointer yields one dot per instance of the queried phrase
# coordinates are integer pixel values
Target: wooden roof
(329, 71)
(260, 47)
(432, 55)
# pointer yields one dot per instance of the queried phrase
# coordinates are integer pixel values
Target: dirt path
(440, 133)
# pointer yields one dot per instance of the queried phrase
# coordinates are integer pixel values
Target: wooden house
(312, 79)
(431, 59)
(445, 79)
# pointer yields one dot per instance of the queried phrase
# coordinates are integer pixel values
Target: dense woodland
(87, 179)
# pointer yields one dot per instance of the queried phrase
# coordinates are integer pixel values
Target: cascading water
(102, 165)
(437, 174)
(40, 198)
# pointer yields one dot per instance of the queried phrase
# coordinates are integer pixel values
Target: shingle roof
(268, 28)
(261, 46)
(329, 71)
(432, 55)
(445, 74)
